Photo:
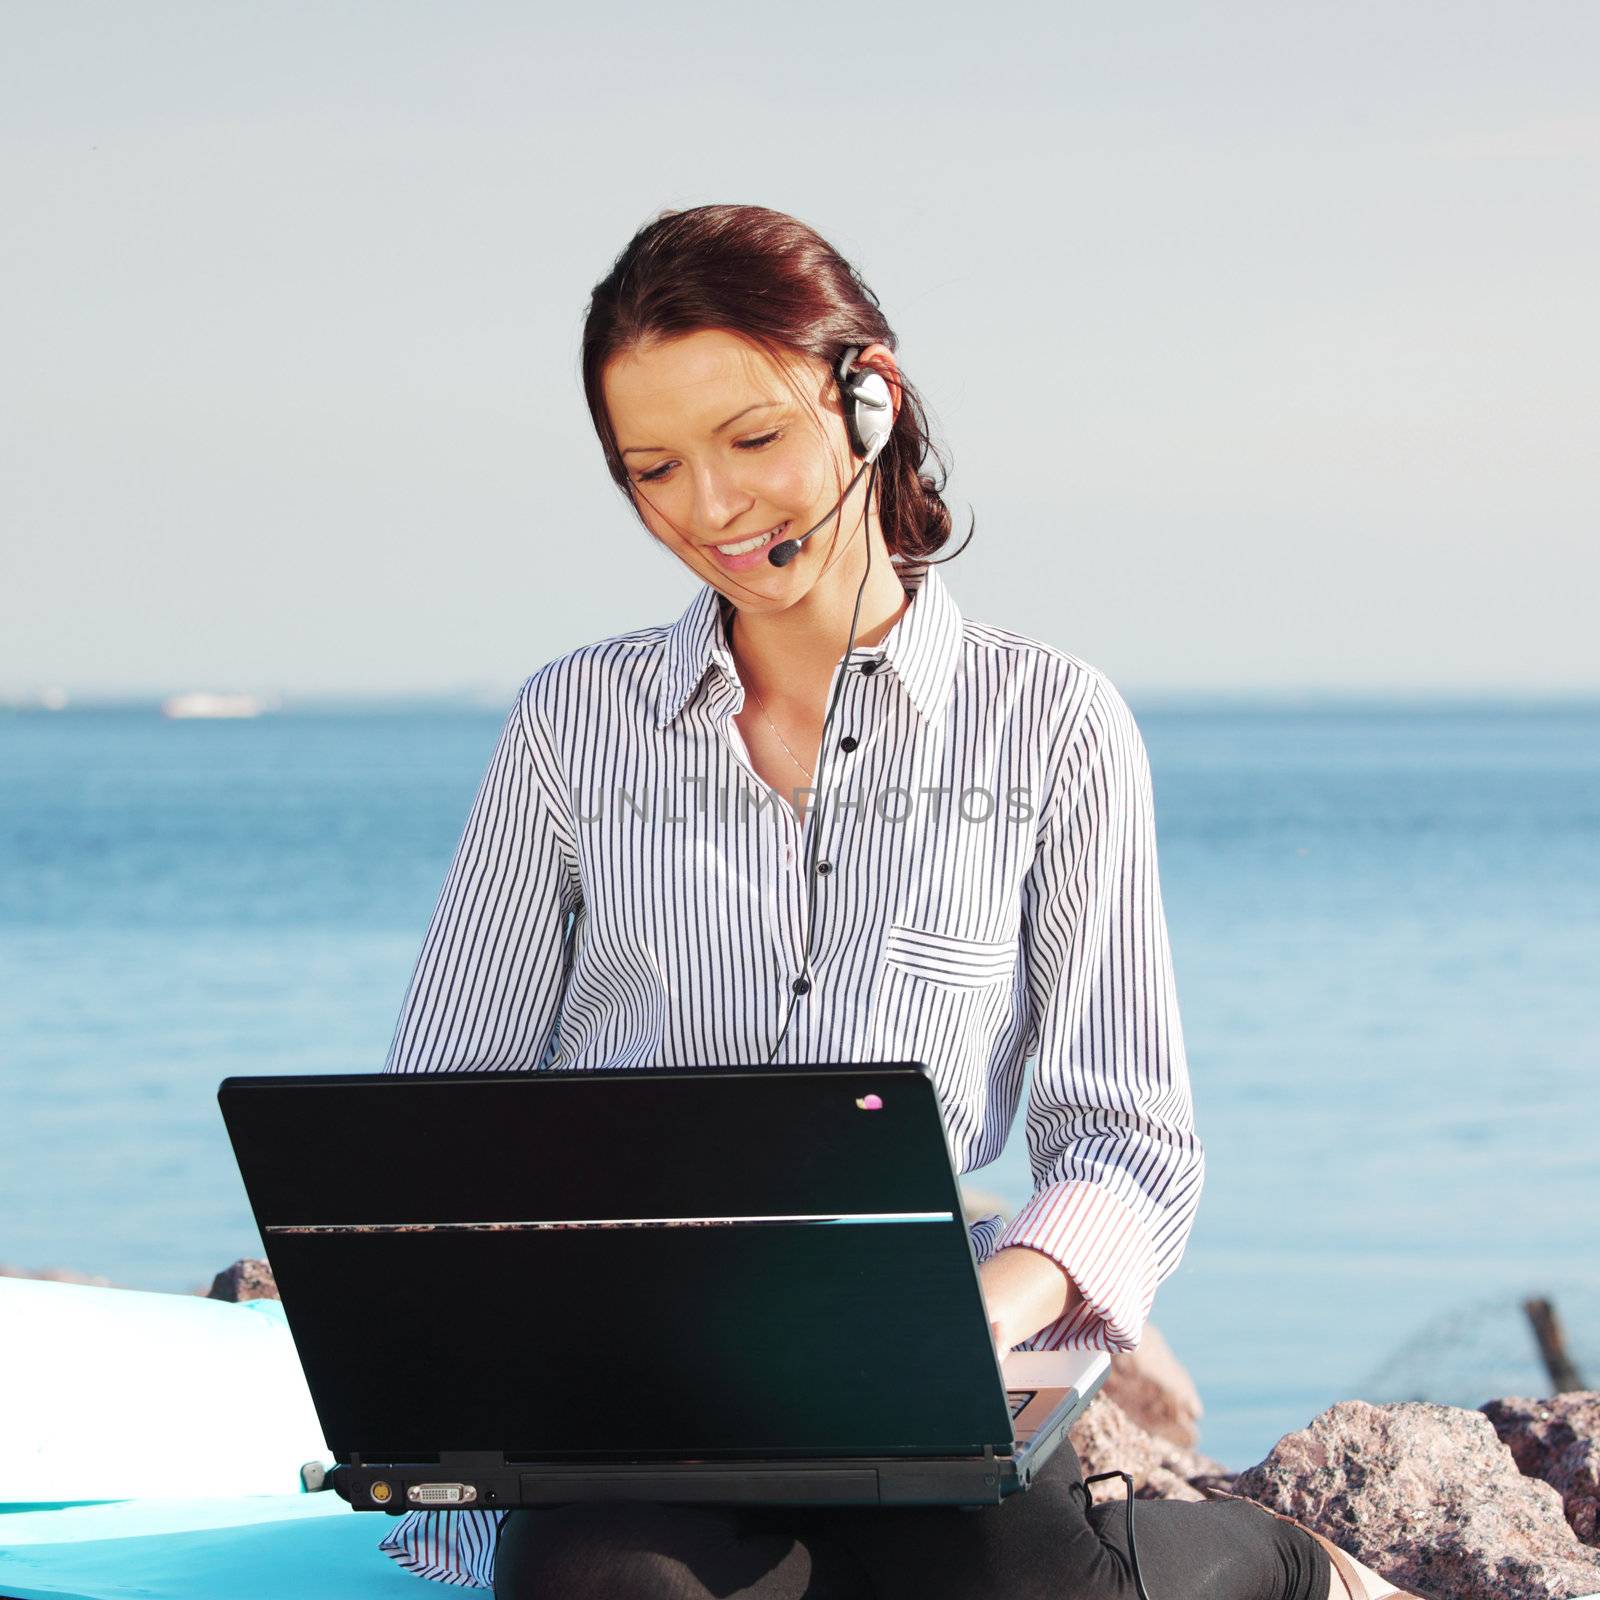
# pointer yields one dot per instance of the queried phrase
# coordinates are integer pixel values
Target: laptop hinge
(470, 1461)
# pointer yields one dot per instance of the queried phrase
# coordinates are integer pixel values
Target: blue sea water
(1385, 921)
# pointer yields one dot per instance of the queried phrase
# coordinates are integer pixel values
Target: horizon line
(468, 699)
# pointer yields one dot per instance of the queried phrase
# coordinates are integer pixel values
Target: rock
(1558, 1441)
(56, 1275)
(244, 1280)
(1155, 1390)
(1429, 1497)
(1107, 1439)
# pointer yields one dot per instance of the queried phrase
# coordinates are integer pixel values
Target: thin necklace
(781, 740)
(768, 715)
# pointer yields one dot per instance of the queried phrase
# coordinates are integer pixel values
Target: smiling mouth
(743, 547)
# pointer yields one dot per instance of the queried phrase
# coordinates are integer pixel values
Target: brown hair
(768, 278)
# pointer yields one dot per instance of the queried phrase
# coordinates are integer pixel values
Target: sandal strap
(1341, 1564)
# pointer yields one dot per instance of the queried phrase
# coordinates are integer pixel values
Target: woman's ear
(881, 359)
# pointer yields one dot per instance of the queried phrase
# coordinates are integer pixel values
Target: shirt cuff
(454, 1547)
(1105, 1249)
(983, 1232)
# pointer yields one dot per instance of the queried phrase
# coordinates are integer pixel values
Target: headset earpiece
(867, 404)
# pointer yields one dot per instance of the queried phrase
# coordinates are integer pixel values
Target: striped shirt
(629, 892)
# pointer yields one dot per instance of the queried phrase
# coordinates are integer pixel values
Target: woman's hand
(1024, 1291)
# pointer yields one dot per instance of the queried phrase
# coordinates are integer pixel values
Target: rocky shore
(1501, 1503)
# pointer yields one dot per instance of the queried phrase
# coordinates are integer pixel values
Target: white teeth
(749, 544)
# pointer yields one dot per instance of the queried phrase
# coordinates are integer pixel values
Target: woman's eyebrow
(636, 449)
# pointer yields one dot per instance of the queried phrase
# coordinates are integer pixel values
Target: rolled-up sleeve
(1117, 1166)
(486, 990)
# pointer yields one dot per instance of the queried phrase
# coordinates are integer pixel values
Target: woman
(959, 869)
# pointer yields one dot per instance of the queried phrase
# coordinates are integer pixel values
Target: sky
(1262, 337)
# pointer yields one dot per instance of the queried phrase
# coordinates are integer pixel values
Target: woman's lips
(753, 558)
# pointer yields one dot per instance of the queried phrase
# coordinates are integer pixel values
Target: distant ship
(214, 705)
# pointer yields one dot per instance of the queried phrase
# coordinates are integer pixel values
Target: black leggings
(1036, 1544)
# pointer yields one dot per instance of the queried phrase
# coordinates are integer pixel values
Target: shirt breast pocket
(951, 960)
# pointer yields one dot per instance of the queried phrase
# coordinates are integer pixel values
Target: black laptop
(727, 1285)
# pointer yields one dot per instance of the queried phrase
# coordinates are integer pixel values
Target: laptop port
(441, 1494)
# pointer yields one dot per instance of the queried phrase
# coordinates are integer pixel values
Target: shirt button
(824, 867)
(802, 986)
(868, 668)
(847, 744)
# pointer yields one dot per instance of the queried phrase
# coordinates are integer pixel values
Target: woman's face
(719, 448)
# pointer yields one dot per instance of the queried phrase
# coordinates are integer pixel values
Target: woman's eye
(656, 474)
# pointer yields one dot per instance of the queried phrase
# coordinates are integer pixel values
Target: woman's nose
(719, 501)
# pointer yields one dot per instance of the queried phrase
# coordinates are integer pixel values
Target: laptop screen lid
(714, 1263)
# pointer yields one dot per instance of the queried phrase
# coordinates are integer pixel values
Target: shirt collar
(922, 649)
